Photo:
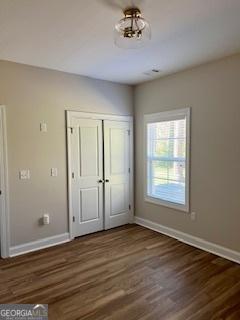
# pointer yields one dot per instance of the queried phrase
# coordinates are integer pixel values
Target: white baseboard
(191, 240)
(39, 244)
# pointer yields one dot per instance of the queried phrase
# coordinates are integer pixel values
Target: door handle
(100, 181)
(106, 180)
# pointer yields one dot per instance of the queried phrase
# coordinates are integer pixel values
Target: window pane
(167, 160)
(171, 148)
(167, 190)
(169, 170)
(169, 129)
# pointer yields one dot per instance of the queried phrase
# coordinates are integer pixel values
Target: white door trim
(97, 116)
(131, 176)
(69, 173)
(4, 210)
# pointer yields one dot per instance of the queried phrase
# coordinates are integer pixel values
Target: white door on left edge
(87, 176)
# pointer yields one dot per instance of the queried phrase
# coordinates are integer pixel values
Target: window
(167, 158)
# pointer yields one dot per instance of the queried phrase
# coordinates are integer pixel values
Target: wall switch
(193, 216)
(46, 219)
(43, 127)
(24, 174)
(54, 172)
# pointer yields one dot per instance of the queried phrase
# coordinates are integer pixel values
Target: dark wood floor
(124, 274)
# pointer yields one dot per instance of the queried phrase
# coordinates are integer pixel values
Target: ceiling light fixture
(132, 31)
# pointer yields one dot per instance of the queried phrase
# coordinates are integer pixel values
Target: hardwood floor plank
(127, 273)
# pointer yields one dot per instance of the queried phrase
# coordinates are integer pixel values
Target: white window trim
(168, 116)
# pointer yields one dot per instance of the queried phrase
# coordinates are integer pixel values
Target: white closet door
(116, 171)
(87, 176)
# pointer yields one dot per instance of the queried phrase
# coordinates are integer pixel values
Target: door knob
(100, 181)
(106, 180)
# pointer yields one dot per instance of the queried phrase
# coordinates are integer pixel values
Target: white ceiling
(77, 35)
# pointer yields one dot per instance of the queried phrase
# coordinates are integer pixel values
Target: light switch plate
(24, 174)
(54, 172)
(43, 127)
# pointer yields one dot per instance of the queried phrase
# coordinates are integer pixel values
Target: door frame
(4, 210)
(97, 116)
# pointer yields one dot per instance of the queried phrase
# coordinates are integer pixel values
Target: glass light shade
(133, 31)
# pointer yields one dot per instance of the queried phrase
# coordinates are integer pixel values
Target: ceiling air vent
(152, 72)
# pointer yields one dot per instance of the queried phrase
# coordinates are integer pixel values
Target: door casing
(97, 116)
(4, 200)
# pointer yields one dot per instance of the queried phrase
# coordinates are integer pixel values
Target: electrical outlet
(193, 216)
(46, 219)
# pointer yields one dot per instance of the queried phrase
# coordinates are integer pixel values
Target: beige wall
(32, 95)
(213, 93)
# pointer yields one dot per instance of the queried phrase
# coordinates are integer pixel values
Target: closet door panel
(89, 204)
(87, 165)
(116, 169)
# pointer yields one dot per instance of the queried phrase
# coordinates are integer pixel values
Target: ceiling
(77, 35)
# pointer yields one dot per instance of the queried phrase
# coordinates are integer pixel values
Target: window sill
(171, 205)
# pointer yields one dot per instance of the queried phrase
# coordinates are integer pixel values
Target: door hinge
(0, 192)
(129, 132)
(129, 170)
(71, 129)
(73, 175)
(73, 219)
(129, 207)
